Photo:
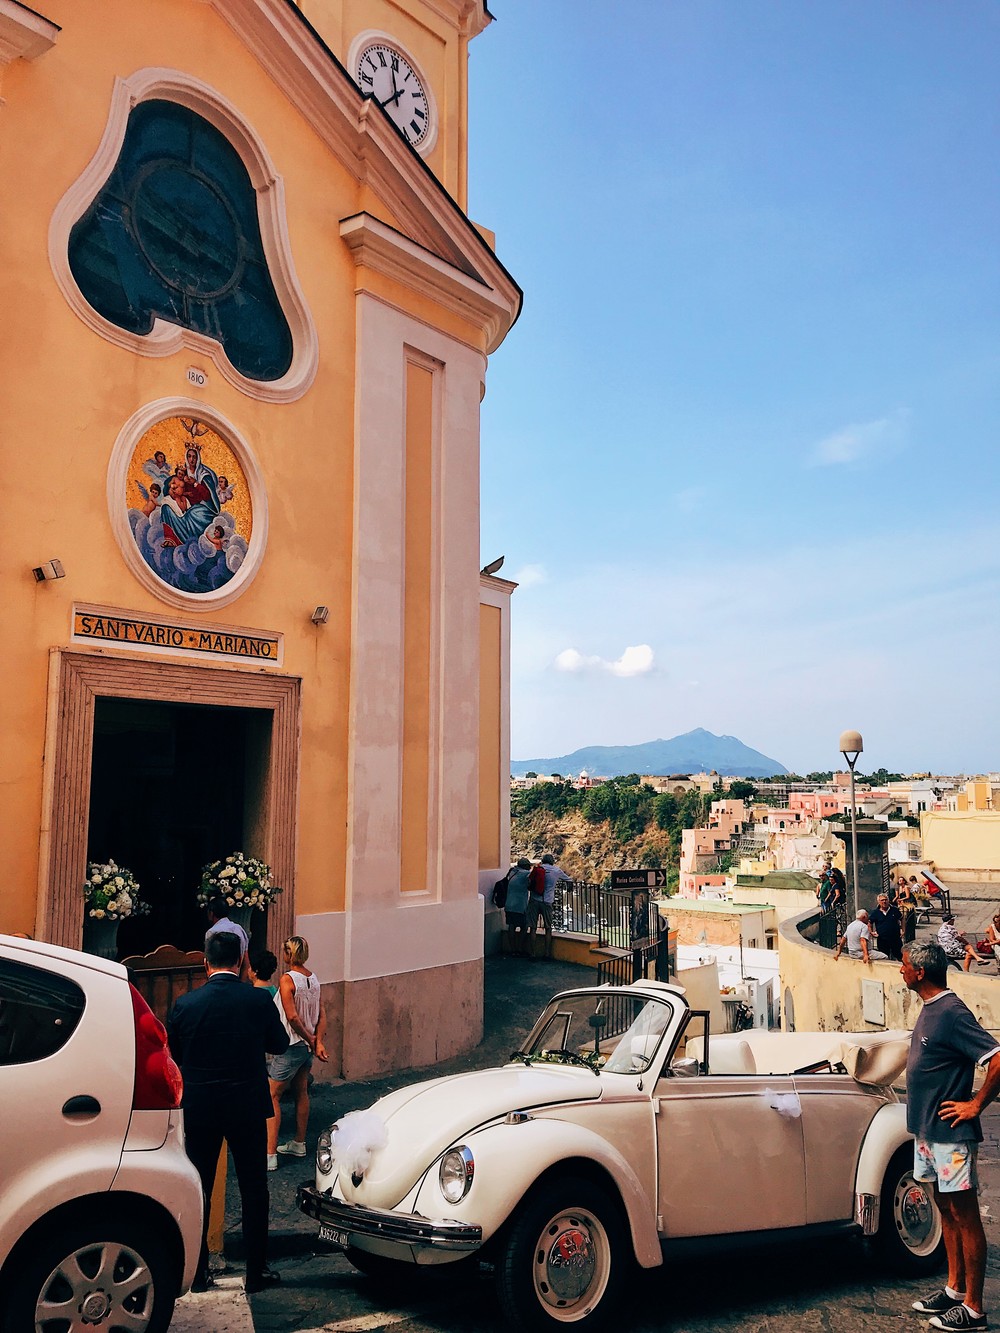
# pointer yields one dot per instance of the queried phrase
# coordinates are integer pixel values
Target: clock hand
(397, 93)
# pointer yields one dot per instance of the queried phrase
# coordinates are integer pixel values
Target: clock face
(390, 78)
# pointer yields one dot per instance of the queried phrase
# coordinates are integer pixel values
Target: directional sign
(638, 879)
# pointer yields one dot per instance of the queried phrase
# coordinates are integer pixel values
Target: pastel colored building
(962, 845)
(248, 321)
(819, 804)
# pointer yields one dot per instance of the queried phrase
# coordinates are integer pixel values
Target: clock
(386, 75)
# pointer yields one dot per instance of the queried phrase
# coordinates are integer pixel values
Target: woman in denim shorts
(298, 1001)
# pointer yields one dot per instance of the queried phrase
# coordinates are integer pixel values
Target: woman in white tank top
(298, 1001)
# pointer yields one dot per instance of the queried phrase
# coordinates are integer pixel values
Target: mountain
(697, 751)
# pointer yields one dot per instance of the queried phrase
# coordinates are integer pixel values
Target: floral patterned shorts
(952, 1165)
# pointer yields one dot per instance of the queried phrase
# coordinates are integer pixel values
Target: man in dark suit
(220, 1035)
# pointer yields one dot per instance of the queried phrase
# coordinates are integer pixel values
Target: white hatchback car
(101, 1209)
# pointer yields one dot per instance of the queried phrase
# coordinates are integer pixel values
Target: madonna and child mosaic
(189, 505)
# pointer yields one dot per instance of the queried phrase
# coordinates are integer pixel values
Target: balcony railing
(590, 909)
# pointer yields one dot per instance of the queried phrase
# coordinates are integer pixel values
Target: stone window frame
(157, 84)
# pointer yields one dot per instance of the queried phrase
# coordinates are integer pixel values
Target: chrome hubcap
(97, 1286)
(572, 1264)
(915, 1215)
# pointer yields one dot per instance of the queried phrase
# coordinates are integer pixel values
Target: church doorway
(172, 787)
(165, 766)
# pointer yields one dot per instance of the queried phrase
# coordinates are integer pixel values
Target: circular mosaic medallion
(189, 506)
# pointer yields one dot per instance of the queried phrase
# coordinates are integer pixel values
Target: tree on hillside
(600, 803)
(821, 776)
(665, 809)
(531, 775)
(742, 791)
(555, 797)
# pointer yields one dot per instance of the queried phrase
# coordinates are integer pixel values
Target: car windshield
(602, 1030)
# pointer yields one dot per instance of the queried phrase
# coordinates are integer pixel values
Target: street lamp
(851, 746)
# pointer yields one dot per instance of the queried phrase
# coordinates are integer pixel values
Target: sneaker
(292, 1148)
(272, 1164)
(958, 1318)
(938, 1302)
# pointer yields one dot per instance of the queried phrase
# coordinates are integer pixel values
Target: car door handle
(81, 1108)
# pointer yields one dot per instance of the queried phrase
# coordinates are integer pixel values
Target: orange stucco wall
(68, 391)
(418, 519)
(440, 53)
(490, 686)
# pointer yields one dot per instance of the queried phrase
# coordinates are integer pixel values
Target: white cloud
(634, 661)
(862, 441)
(530, 575)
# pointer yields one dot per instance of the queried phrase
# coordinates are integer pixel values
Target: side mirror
(598, 1021)
(686, 1067)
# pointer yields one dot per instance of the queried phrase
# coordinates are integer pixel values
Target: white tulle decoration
(355, 1137)
(786, 1104)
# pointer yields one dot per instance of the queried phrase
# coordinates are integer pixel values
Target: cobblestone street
(833, 1286)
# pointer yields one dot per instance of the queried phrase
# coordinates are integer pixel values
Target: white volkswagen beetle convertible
(620, 1130)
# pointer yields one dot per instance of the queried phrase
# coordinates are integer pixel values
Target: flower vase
(100, 937)
(241, 916)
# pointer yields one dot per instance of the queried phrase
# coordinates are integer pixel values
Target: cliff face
(586, 851)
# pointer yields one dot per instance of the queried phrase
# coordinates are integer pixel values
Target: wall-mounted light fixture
(321, 615)
(52, 569)
(493, 567)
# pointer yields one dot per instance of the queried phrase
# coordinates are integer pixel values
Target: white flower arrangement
(244, 881)
(111, 893)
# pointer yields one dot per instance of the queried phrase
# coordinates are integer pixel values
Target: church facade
(246, 330)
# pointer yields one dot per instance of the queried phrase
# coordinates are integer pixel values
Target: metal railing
(590, 909)
(577, 909)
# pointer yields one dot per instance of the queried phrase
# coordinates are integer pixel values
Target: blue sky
(746, 426)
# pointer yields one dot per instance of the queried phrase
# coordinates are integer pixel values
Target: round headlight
(324, 1153)
(455, 1173)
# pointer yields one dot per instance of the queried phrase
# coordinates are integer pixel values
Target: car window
(612, 1031)
(39, 1012)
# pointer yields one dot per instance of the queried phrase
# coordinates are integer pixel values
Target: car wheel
(909, 1230)
(565, 1258)
(87, 1274)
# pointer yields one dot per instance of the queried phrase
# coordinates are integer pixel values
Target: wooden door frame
(76, 680)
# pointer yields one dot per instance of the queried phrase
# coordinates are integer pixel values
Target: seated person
(991, 940)
(857, 939)
(956, 946)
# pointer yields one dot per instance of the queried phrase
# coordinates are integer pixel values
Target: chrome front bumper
(384, 1224)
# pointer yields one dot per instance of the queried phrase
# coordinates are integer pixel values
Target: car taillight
(158, 1082)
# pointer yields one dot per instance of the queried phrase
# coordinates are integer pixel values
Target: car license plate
(333, 1236)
